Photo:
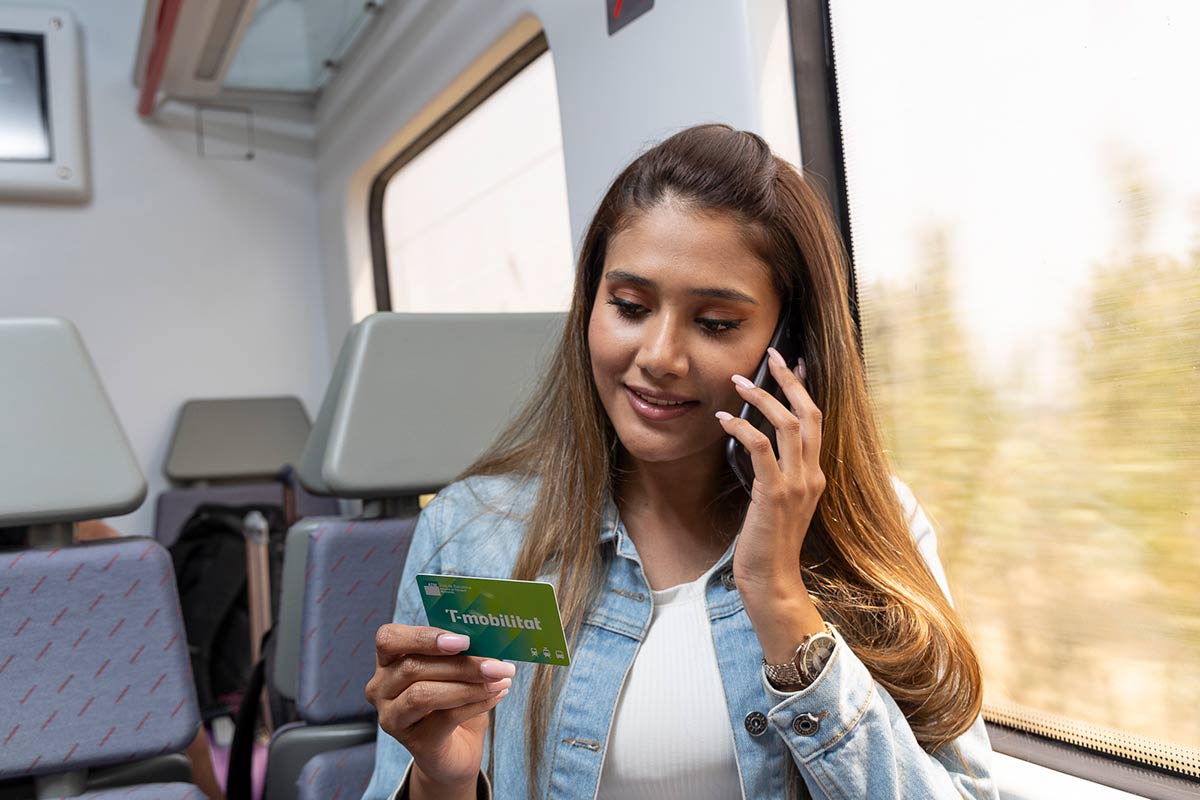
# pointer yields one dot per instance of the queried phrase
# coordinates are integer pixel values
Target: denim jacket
(860, 747)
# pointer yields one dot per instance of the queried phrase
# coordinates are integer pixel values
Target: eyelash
(633, 311)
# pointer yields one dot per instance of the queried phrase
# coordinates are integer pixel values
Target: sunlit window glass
(478, 221)
(1024, 188)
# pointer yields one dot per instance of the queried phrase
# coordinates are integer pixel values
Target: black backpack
(210, 569)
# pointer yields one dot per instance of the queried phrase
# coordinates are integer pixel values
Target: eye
(710, 327)
(627, 309)
(716, 327)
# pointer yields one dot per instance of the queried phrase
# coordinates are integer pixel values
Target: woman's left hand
(784, 495)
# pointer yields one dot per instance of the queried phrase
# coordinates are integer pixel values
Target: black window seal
(522, 58)
(820, 120)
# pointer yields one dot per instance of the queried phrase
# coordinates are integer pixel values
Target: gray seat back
(404, 382)
(66, 457)
(291, 605)
(236, 439)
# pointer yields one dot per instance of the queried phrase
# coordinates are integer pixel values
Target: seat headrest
(237, 438)
(415, 398)
(66, 457)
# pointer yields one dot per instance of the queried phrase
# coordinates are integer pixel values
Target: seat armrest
(293, 746)
(171, 768)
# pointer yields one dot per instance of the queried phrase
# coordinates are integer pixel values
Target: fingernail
(724, 416)
(776, 359)
(745, 383)
(801, 370)
(502, 694)
(497, 669)
(496, 686)
(453, 642)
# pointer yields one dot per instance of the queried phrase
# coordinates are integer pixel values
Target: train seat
(341, 576)
(174, 506)
(231, 451)
(401, 381)
(95, 662)
(338, 773)
(234, 453)
(92, 654)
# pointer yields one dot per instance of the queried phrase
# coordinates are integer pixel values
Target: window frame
(525, 55)
(1088, 764)
(821, 150)
(820, 121)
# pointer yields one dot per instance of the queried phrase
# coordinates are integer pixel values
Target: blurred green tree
(1068, 524)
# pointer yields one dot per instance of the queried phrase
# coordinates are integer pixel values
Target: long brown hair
(860, 563)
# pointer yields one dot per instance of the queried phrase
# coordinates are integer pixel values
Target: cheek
(599, 350)
(727, 361)
(746, 364)
(608, 349)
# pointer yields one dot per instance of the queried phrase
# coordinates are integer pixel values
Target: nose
(662, 351)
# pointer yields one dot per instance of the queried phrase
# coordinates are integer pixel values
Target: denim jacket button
(756, 723)
(806, 724)
(727, 580)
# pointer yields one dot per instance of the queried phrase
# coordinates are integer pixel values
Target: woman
(613, 484)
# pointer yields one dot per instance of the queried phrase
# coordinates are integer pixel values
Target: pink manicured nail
(453, 642)
(497, 669)
(502, 694)
(745, 383)
(801, 370)
(496, 686)
(776, 359)
(724, 416)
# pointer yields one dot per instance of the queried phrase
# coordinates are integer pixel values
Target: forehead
(679, 248)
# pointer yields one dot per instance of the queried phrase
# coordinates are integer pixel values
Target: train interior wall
(187, 276)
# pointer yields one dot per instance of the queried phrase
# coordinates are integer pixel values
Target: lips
(660, 396)
(649, 411)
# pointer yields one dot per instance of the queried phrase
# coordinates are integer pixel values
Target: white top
(647, 756)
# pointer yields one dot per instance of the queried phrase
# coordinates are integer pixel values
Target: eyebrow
(715, 293)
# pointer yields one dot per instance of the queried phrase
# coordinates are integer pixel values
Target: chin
(662, 448)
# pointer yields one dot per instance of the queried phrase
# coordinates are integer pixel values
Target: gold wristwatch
(811, 657)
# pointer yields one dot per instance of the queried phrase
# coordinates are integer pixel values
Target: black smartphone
(787, 341)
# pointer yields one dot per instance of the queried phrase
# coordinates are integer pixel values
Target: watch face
(817, 654)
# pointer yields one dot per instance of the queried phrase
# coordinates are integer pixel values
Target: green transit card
(506, 619)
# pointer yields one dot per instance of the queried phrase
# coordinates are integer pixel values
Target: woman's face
(682, 305)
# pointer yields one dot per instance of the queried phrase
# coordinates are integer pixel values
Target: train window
(473, 216)
(1023, 186)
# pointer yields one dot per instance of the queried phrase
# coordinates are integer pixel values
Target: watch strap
(801, 671)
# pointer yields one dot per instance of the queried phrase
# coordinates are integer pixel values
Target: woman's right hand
(434, 702)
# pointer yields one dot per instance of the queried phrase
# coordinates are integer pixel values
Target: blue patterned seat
(93, 661)
(351, 572)
(337, 774)
(157, 791)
